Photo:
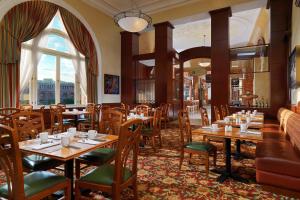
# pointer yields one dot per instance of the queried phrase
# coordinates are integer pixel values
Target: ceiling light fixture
(133, 20)
(204, 64)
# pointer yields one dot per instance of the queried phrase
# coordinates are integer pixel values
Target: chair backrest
(28, 108)
(227, 109)
(10, 162)
(142, 109)
(28, 124)
(123, 111)
(98, 112)
(56, 118)
(110, 122)
(6, 115)
(157, 119)
(90, 108)
(217, 113)
(204, 117)
(63, 106)
(185, 127)
(223, 111)
(128, 146)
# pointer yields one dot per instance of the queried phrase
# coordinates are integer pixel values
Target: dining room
(187, 99)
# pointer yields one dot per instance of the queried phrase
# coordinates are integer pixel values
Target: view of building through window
(51, 59)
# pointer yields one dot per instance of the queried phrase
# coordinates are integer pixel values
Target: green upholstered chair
(110, 123)
(28, 125)
(188, 146)
(35, 185)
(113, 178)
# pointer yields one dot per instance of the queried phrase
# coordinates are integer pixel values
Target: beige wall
(261, 28)
(262, 86)
(295, 27)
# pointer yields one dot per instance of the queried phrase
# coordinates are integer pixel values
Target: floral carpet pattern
(159, 177)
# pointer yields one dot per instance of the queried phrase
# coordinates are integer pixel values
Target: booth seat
(278, 156)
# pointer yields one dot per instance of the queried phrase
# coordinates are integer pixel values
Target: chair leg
(160, 140)
(77, 191)
(135, 191)
(153, 144)
(181, 159)
(67, 191)
(190, 157)
(215, 158)
(77, 168)
(207, 164)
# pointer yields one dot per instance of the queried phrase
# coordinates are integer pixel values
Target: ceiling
(191, 34)
(113, 7)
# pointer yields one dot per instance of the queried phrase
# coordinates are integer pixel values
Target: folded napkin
(206, 127)
(46, 145)
(255, 122)
(254, 132)
(88, 141)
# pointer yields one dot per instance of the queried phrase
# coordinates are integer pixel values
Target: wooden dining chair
(223, 111)
(154, 131)
(165, 114)
(188, 146)
(110, 123)
(113, 178)
(57, 124)
(6, 115)
(28, 125)
(32, 186)
(217, 113)
(227, 109)
(88, 121)
(204, 116)
(28, 108)
(142, 109)
(124, 113)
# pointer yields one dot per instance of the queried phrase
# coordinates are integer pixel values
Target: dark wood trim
(146, 56)
(221, 10)
(196, 52)
(164, 24)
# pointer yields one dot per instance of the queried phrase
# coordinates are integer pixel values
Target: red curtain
(20, 24)
(83, 42)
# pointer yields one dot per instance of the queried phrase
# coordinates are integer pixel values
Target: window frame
(33, 83)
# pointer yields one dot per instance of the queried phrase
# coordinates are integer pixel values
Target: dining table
(79, 144)
(75, 114)
(253, 135)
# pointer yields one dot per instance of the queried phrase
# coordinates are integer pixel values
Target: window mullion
(57, 83)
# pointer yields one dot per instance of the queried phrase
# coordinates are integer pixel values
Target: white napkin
(42, 146)
(255, 122)
(206, 127)
(57, 136)
(254, 132)
(88, 141)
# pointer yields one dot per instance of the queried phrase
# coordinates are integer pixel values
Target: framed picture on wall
(111, 84)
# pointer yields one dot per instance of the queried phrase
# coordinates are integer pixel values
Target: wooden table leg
(69, 173)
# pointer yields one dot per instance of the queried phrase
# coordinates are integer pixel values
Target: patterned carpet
(159, 176)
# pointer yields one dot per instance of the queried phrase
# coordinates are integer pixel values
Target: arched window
(51, 69)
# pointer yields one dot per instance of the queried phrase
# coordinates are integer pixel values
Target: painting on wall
(111, 84)
(292, 76)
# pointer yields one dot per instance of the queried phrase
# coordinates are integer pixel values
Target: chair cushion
(104, 175)
(36, 182)
(101, 155)
(37, 162)
(200, 146)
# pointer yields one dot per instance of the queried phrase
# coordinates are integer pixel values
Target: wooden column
(279, 50)
(220, 57)
(129, 48)
(163, 62)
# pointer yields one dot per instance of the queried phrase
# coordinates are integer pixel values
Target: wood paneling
(220, 57)
(163, 63)
(278, 56)
(129, 49)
